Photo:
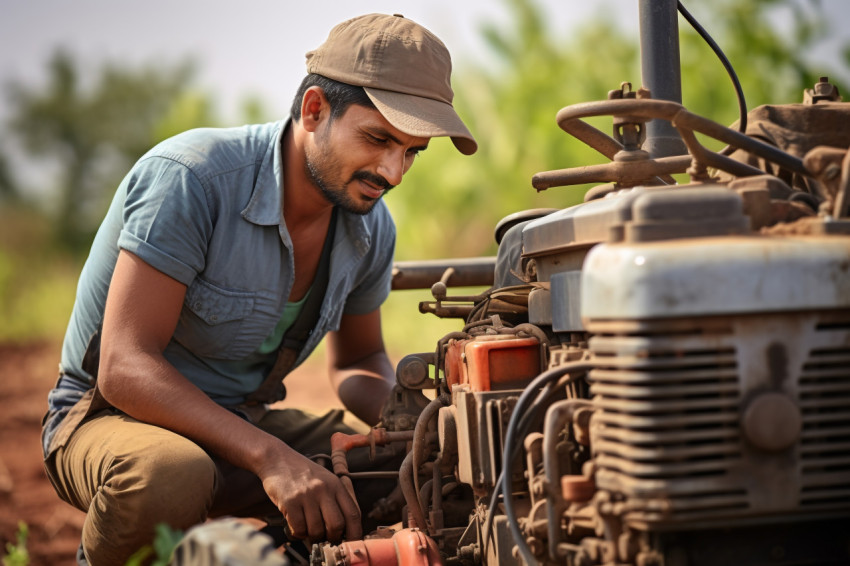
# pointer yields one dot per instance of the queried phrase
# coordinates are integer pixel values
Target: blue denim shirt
(205, 208)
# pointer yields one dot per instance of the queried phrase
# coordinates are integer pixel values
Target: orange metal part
(454, 362)
(490, 363)
(407, 547)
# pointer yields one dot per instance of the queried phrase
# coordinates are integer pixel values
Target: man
(213, 244)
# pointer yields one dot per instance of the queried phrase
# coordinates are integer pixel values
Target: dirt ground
(26, 375)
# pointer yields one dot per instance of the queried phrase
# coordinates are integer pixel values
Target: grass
(161, 549)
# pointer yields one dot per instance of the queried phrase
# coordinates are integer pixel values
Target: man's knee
(177, 479)
(129, 477)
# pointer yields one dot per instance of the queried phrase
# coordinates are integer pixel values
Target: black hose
(514, 431)
(739, 92)
(544, 397)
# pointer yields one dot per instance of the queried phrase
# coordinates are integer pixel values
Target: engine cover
(723, 378)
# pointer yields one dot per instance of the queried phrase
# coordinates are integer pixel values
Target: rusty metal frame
(685, 122)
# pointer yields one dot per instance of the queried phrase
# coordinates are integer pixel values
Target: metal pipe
(661, 71)
(419, 435)
(683, 120)
(468, 272)
(416, 517)
(341, 443)
(624, 173)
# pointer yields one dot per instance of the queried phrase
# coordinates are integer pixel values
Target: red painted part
(501, 364)
(454, 362)
(490, 363)
(416, 548)
(368, 552)
(577, 489)
(408, 547)
(345, 442)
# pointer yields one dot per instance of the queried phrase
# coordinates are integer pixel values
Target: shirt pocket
(212, 320)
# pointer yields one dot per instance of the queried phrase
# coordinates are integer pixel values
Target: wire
(513, 432)
(545, 394)
(739, 92)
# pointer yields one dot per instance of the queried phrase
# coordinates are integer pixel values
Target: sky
(256, 47)
(249, 46)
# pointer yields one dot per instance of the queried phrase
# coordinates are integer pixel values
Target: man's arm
(359, 367)
(141, 315)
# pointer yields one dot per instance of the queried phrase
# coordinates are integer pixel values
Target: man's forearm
(148, 388)
(365, 386)
(312, 499)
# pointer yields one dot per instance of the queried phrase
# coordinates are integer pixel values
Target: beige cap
(404, 69)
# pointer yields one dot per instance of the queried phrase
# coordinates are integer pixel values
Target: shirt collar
(264, 207)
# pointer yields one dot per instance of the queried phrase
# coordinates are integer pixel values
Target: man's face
(358, 157)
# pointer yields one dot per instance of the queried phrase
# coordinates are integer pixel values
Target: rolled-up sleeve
(167, 218)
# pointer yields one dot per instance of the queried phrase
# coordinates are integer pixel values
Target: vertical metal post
(661, 71)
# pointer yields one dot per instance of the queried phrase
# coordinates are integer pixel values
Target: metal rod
(661, 71)
(467, 272)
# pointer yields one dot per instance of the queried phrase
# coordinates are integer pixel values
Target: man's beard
(336, 192)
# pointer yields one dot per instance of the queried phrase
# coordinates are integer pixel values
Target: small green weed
(17, 554)
(163, 546)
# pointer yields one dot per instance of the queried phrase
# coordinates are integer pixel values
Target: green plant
(164, 543)
(17, 554)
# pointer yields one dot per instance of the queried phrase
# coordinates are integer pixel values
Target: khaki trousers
(129, 476)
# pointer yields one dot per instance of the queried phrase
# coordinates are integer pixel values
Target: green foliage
(17, 553)
(769, 59)
(8, 185)
(37, 282)
(187, 110)
(91, 135)
(510, 108)
(401, 337)
(163, 546)
(448, 204)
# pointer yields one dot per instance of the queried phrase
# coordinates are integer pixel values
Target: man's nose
(391, 167)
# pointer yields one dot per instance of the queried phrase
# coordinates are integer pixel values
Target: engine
(657, 376)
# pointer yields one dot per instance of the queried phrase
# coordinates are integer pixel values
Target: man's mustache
(372, 178)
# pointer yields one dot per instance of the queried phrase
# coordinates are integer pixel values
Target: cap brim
(423, 117)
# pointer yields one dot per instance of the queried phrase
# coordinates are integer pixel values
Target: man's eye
(376, 139)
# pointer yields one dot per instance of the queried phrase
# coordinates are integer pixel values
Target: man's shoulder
(212, 150)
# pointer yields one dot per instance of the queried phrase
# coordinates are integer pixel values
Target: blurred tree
(92, 135)
(510, 107)
(254, 110)
(8, 184)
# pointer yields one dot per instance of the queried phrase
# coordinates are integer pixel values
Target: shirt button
(214, 318)
(198, 305)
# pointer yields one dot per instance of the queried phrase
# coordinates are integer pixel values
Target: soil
(27, 373)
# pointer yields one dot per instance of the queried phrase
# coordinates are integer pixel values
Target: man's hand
(313, 500)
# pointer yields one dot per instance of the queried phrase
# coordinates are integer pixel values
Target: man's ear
(314, 108)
